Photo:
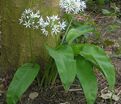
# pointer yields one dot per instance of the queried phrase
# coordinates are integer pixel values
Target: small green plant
(72, 57)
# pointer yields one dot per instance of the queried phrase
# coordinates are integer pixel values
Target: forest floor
(57, 95)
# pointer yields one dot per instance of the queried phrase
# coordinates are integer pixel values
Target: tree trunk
(15, 48)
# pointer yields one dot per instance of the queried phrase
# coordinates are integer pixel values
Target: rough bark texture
(15, 38)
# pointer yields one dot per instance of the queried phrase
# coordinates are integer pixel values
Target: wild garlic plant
(71, 57)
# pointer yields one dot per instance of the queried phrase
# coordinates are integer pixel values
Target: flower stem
(67, 31)
(30, 44)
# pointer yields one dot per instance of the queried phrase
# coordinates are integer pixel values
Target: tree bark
(15, 48)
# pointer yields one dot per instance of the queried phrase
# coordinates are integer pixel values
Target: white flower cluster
(72, 6)
(29, 19)
(52, 24)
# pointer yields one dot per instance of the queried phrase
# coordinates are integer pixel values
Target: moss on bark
(15, 38)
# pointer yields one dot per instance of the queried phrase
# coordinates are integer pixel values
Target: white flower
(27, 24)
(82, 5)
(72, 6)
(54, 18)
(29, 18)
(45, 24)
(55, 29)
(41, 21)
(35, 15)
(20, 20)
(27, 11)
(23, 15)
(62, 25)
(44, 31)
(36, 27)
(48, 18)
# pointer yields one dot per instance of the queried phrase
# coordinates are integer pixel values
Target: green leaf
(76, 32)
(23, 78)
(87, 79)
(97, 56)
(66, 65)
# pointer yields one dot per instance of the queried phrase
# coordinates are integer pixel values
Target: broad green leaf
(66, 65)
(87, 79)
(76, 32)
(97, 56)
(23, 78)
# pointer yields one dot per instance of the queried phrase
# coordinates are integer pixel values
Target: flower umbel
(29, 19)
(51, 24)
(72, 6)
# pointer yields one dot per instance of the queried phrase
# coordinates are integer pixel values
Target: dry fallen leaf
(110, 95)
(33, 95)
(65, 103)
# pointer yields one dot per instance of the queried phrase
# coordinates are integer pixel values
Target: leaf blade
(22, 79)
(97, 56)
(66, 65)
(76, 32)
(87, 79)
